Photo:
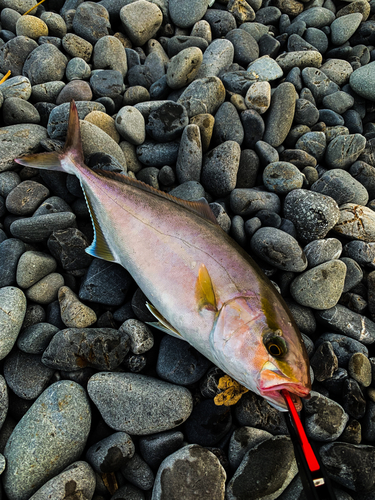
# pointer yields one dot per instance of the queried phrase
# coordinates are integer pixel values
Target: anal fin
(162, 324)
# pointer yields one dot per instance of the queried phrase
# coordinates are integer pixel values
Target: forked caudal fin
(54, 160)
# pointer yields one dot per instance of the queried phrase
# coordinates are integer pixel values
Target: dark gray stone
(348, 323)
(281, 114)
(247, 202)
(45, 64)
(111, 453)
(342, 187)
(325, 419)
(155, 448)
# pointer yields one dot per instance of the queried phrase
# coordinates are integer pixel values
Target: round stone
(25, 198)
(45, 290)
(166, 122)
(36, 445)
(31, 26)
(217, 58)
(220, 167)
(45, 64)
(105, 123)
(109, 53)
(281, 114)
(204, 95)
(188, 13)
(258, 97)
(12, 313)
(325, 419)
(141, 20)
(76, 46)
(356, 222)
(360, 369)
(319, 251)
(189, 160)
(130, 124)
(138, 404)
(184, 67)
(282, 177)
(360, 81)
(313, 214)
(32, 267)
(265, 69)
(342, 187)
(279, 249)
(111, 453)
(74, 313)
(344, 27)
(78, 90)
(344, 150)
(321, 286)
(91, 21)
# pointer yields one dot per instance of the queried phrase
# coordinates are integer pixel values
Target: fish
(201, 286)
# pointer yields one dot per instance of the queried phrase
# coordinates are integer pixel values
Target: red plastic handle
(311, 459)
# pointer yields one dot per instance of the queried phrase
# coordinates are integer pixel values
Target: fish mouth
(272, 381)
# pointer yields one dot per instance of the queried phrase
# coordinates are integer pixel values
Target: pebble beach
(266, 108)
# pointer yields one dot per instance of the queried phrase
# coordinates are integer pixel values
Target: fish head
(257, 342)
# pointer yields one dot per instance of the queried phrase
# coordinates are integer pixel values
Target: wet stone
(203, 95)
(12, 313)
(25, 198)
(68, 247)
(353, 399)
(220, 167)
(306, 113)
(35, 338)
(321, 286)
(356, 222)
(14, 53)
(282, 177)
(137, 472)
(32, 267)
(167, 122)
(208, 423)
(313, 143)
(26, 375)
(254, 127)
(106, 83)
(111, 453)
(315, 216)
(319, 84)
(155, 448)
(325, 419)
(342, 187)
(319, 251)
(254, 411)
(349, 323)
(45, 64)
(78, 475)
(127, 402)
(16, 111)
(350, 465)
(76, 348)
(360, 369)
(324, 362)
(105, 283)
(189, 160)
(36, 229)
(343, 151)
(140, 336)
(190, 463)
(153, 154)
(91, 22)
(178, 362)
(241, 441)
(228, 126)
(278, 249)
(247, 202)
(266, 470)
(11, 250)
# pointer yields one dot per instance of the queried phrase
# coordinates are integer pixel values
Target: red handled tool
(314, 479)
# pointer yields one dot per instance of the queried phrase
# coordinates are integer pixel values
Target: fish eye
(276, 346)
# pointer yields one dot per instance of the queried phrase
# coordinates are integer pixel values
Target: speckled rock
(204, 95)
(12, 313)
(356, 222)
(184, 67)
(14, 53)
(91, 21)
(105, 123)
(315, 216)
(127, 402)
(96, 140)
(258, 97)
(141, 20)
(325, 419)
(220, 167)
(342, 187)
(344, 150)
(216, 58)
(31, 26)
(78, 478)
(55, 429)
(281, 177)
(74, 313)
(45, 64)
(130, 124)
(33, 266)
(16, 140)
(281, 114)
(321, 286)
(76, 46)
(191, 463)
(186, 14)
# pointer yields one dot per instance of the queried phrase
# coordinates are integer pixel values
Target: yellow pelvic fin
(232, 391)
(199, 207)
(48, 161)
(162, 323)
(204, 290)
(99, 247)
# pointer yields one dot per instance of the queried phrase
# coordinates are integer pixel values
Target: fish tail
(55, 160)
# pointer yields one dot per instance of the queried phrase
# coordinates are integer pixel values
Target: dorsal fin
(200, 207)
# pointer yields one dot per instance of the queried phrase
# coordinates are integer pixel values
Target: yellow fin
(199, 207)
(232, 393)
(204, 290)
(99, 247)
(162, 324)
(49, 161)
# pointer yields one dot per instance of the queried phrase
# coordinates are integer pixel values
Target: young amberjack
(202, 286)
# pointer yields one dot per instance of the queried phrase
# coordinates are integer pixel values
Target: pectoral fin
(162, 324)
(204, 290)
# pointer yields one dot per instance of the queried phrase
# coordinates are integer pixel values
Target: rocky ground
(267, 110)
